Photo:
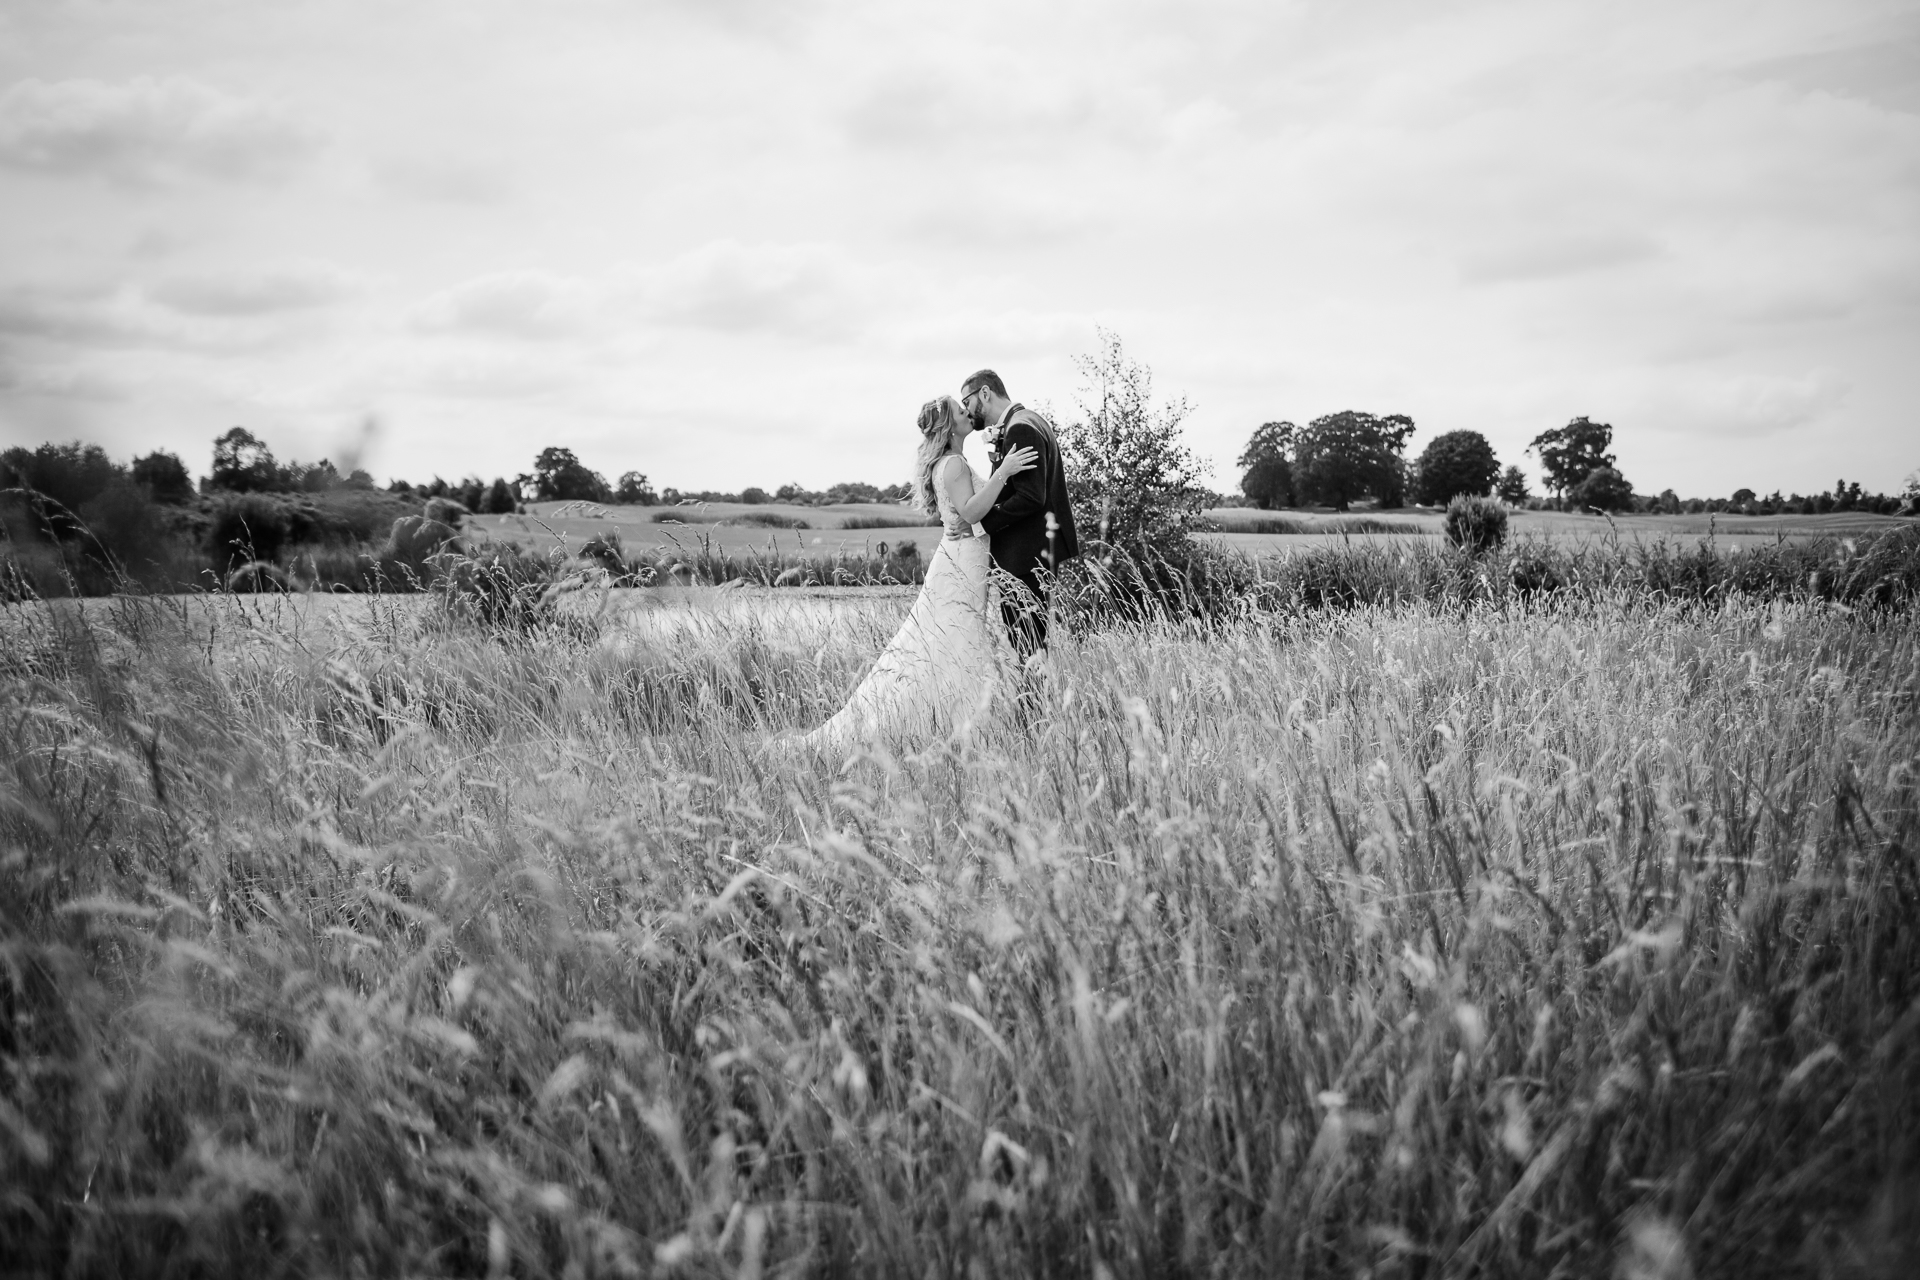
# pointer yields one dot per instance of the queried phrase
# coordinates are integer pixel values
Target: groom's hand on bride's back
(1016, 461)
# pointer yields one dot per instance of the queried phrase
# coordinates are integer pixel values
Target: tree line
(1349, 456)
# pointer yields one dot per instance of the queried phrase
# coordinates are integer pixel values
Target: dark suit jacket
(1017, 522)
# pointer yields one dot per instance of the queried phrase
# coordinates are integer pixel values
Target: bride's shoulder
(944, 468)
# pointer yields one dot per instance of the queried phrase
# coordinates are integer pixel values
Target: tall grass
(1406, 939)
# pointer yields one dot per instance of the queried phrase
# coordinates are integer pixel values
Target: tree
(1349, 455)
(1131, 482)
(558, 476)
(1513, 485)
(164, 477)
(1268, 476)
(1741, 497)
(500, 500)
(753, 495)
(242, 463)
(1456, 462)
(634, 490)
(1604, 489)
(1571, 453)
(70, 474)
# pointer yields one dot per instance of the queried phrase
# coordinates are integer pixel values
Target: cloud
(511, 304)
(1885, 73)
(1029, 111)
(444, 179)
(1553, 256)
(811, 292)
(799, 290)
(149, 130)
(1748, 406)
(293, 287)
(125, 317)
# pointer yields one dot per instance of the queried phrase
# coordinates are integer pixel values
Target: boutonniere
(995, 435)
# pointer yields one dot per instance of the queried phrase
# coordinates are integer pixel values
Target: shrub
(510, 593)
(248, 527)
(1127, 469)
(767, 520)
(1475, 524)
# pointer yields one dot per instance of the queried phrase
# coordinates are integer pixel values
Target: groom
(1031, 525)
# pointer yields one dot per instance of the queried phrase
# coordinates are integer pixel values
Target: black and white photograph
(830, 638)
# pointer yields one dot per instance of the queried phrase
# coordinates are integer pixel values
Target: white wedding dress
(940, 672)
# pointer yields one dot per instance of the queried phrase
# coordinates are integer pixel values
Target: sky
(739, 242)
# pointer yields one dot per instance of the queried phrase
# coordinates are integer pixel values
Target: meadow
(779, 534)
(1416, 930)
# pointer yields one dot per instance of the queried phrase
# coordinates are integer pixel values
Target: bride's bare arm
(970, 503)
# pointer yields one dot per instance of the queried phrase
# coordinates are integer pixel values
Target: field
(1573, 936)
(683, 533)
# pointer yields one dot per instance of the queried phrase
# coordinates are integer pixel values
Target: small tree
(1604, 489)
(1571, 453)
(633, 490)
(242, 463)
(753, 495)
(1268, 478)
(1454, 463)
(1350, 455)
(1513, 486)
(500, 500)
(1131, 481)
(164, 477)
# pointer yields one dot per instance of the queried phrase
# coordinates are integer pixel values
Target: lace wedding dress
(940, 672)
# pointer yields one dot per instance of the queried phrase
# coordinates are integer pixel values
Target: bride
(941, 669)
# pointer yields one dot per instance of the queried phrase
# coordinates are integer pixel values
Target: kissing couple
(983, 609)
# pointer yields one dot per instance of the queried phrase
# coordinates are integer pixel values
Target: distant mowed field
(830, 532)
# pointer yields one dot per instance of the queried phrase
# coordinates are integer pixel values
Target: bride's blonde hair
(936, 423)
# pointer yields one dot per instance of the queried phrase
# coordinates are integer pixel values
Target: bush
(767, 520)
(248, 527)
(1127, 470)
(1475, 524)
(510, 593)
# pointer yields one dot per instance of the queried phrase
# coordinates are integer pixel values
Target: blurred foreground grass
(1419, 938)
